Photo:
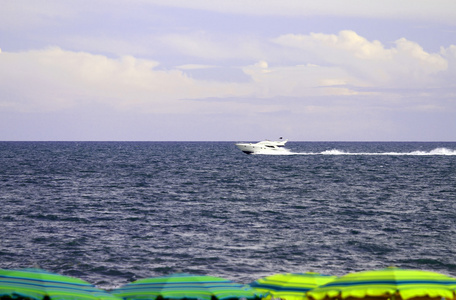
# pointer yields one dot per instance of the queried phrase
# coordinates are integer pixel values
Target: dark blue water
(113, 212)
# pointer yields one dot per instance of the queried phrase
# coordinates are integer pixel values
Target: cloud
(437, 11)
(22, 14)
(405, 65)
(450, 55)
(206, 46)
(194, 67)
(298, 80)
(317, 65)
(53, 79)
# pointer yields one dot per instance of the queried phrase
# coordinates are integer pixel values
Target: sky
(227, 70)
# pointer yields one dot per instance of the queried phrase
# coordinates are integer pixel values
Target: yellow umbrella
(290, 286)
(390, 283)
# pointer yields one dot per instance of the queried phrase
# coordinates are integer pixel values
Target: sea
(114, 212)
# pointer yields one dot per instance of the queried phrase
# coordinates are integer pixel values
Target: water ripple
(111, 213)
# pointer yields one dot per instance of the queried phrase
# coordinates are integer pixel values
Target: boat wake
(282, 151)
(436, 151)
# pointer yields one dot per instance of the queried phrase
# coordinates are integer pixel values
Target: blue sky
(156, 70)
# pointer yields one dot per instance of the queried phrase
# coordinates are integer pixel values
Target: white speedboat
(264, 147)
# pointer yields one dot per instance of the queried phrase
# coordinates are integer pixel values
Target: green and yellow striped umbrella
(291, 286)
(39, 284)
(185, 286)
(390, 283)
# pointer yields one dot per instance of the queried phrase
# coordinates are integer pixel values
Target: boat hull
(247, 148)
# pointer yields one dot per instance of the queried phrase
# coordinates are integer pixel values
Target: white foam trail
(282, 151)
(436, 151)
(334, 152)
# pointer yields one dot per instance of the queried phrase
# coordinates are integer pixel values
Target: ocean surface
(113, 212)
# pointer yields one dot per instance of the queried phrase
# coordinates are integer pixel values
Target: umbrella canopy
(291, 286)
(188, 286)
(39, 284)
(387, 283)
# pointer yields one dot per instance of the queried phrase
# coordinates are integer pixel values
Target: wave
(436, 151)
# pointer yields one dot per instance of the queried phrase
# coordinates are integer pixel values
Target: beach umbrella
(291, 286)
(185, 286)
(390, 283)
(39, 284)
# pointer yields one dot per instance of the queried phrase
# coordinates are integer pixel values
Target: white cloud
(436, 10)
(27, 13)
(297, 80)
(345, 64)
(54, 79)
(208, 46)
(17, 14)
(406, 65)
(450, 55)
(194, 67)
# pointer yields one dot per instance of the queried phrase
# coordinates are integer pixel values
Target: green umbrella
(39, 284)
(185, 286)
(387, 283)
(291, 286)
